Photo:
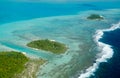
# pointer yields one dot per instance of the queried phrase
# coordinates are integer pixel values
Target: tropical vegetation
(48, 45)
(11, 63)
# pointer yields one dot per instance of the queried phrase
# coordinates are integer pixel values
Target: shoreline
(31, 68)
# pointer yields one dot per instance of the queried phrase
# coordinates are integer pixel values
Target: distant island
(48, 45)
(95, 17)
(17, 65)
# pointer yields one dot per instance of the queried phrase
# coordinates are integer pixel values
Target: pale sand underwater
(73, 30)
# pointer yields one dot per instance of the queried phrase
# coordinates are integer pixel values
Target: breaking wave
(105, 54)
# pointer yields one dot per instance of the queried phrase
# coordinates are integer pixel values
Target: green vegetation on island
(17, 65)
(48, 45)
(95, 17)
(11, 63)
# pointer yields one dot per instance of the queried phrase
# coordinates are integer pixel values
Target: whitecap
(105, 54)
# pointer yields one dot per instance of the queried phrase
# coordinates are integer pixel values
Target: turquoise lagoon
(74, 30)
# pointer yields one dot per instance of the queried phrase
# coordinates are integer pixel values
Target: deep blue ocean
(110, 69)
(10, 12)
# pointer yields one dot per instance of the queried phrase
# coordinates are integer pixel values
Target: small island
(95, 17)
(48, 45)
(17, 65)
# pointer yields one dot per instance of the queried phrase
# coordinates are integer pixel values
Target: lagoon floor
(73, 30)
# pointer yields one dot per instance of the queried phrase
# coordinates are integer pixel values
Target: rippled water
(73, 30)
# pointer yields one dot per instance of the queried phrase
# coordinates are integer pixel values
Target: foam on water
(70, 30)
(106, 51)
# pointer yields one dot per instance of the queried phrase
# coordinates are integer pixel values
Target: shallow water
(111, 68)
(72, 29)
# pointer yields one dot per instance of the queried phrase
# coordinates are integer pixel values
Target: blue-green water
(66, 23)
(15, 11)
(110, 69)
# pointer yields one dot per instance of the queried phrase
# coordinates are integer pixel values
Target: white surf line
(106, 51)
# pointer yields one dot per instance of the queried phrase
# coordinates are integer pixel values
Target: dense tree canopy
(11, 63)
(48, 45)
